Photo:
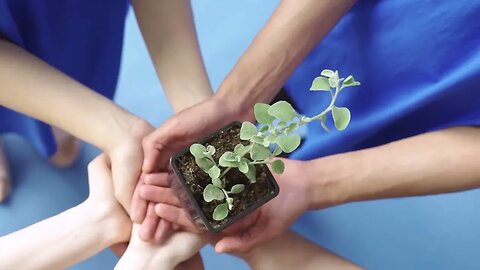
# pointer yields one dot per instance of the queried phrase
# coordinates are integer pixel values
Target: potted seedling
(225, 176)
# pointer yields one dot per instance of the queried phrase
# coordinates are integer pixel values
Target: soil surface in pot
(197, 179)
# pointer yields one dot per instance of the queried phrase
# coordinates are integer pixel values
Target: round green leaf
(257, 139)
(247, 131)
(261, 113)
(238, 188)
(323, 121)
(220, 212)
(289, 143)
(259, 152)
(341, 117)
(240, 149)
(210, 150)
(278, 166)
(283, 111)
(198, 150)
(212, 192)
(204, 163)
(228, 159)
(320, 84)
(252, 173)
(277, 151)
(334, 80)
(214, 172)
(327, 73)
(243, 167)
(217, 182)
(264, 128)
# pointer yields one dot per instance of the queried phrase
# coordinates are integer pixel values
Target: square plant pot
(189, 181)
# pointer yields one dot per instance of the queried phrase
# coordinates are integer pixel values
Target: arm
(72, 236)
(292, 32)
(169, 32)
(32, 87)
(289, 251)
(431, 163)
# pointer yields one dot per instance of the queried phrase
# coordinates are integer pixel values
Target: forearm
(169, 32)
(430, 163)
(289, 251)
(290, 34)
(32, 87)
(58, 242)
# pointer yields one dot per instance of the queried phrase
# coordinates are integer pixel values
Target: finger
(176, 215)
(153, 145)
(149, 225)
(163, 232)
(139, 204)
(242, 242)
(159, 195)
(157, 179)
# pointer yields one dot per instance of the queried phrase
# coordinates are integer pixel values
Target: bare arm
(169, 32)
(290, 34)
(291, 251)
(72, 236)
(430, 163)
(33, 87)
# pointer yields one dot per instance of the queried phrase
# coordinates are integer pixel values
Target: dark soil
(197, 179)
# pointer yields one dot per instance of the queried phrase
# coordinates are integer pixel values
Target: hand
(181, 248)
(102, 199)
(175, 134)
(268, 221)
(126, 159)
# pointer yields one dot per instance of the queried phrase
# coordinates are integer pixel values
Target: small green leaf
(214, 172)
(217, 182)
(327, 73)
(238, 188)
(334, 80)
(210, 150)
(350, 81)
(320, 84)
(259, 152)
(271, 137)
(257, 139)
(261, 113)
(212, 192)
(220, 212)
(247, 131)
(240, 149)
(289, 143)
(204, 163)
(278, 166)
(283, 111)
(252, 173)
(198, 150)
(243, 167)
(323, 121)
(341, 117)
(228, 159)
(292, 127)
(277, 151)
(264, 129)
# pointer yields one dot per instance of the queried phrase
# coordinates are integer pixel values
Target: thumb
(242, 242)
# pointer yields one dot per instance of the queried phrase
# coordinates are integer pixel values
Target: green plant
(277, 126)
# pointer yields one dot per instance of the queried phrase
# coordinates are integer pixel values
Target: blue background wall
(434, 232)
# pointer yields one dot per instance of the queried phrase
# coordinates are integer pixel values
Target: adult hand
(268, 221)
(176, 133)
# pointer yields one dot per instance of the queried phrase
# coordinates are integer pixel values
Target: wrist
(332, 180)
(110, 226)
(126, 128)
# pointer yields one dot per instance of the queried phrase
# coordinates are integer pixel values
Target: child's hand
(180, 247)
(102, 199)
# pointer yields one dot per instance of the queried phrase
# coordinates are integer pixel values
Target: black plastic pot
(189, 202)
